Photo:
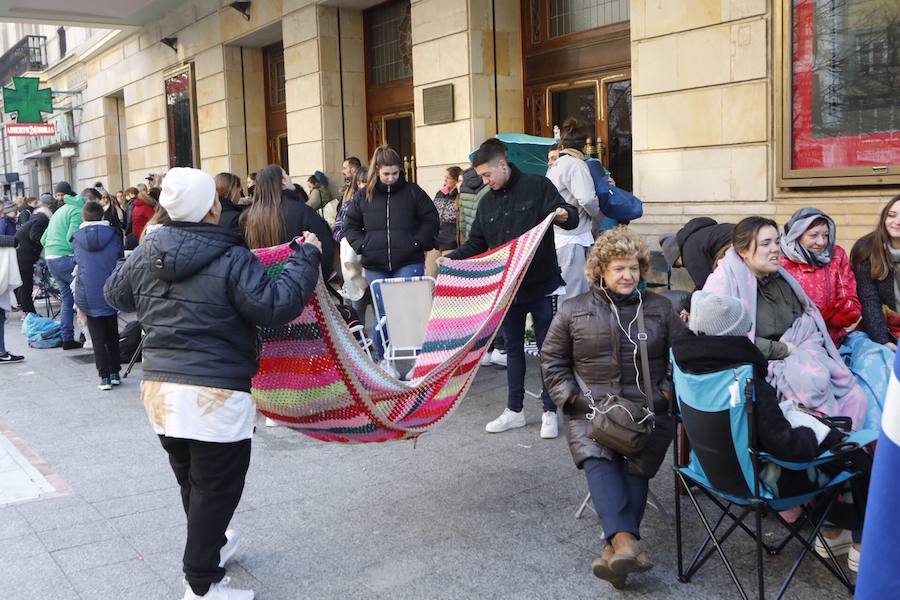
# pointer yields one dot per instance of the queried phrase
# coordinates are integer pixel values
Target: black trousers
(211, 476)
(105, 339)
(25, 292)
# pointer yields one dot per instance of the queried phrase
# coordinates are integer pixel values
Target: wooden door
(577, 63)
(602, 103)
(276, 115)
(389, 84)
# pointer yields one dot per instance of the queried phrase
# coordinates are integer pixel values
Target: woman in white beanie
(199, 294)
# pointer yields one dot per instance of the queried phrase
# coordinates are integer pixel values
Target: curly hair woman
(594, 337)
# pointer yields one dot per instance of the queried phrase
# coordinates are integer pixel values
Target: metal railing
(29, 54)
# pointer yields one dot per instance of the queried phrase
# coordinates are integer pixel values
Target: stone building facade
(295, 81)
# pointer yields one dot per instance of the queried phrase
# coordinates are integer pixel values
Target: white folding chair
(402, 317)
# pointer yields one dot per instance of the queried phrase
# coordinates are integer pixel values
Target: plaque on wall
(437, 104)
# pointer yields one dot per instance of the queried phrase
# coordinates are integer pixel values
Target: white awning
(87, 13)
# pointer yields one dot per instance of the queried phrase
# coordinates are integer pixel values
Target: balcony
(40, 146)
(29, 54)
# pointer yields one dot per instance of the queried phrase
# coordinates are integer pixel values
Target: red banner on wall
(32, 129)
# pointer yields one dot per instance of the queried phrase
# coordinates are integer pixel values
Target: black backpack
(129, 341)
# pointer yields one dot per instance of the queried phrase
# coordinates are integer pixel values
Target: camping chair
(659, 266)
(402, 307)
(716, 409)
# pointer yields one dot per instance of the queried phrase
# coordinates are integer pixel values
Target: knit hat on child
(713, 314)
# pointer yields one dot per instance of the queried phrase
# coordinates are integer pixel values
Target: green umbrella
(528, 152)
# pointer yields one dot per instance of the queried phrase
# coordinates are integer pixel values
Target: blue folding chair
(716, 410)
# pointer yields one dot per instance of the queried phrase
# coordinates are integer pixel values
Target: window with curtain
(180, 115)
(844, 109)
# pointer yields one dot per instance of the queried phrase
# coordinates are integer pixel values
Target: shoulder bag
(618, 423)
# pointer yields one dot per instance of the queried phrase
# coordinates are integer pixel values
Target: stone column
(701, 110)
(454, 42)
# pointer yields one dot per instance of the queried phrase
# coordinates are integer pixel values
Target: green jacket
(57, 239)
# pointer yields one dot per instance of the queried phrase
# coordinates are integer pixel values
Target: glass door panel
(618, 132)
(580, 103)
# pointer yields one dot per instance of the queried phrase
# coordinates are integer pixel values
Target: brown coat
(584, 334)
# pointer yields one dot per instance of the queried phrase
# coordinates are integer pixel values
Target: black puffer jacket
(585, 337)
(29, 237)
(699, 240)
(395, 228)
(505, 214)
(297, 216)
(231, 215)
(199, 294)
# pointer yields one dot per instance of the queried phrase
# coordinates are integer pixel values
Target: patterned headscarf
(794, 229)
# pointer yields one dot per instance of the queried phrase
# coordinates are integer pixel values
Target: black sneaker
(71, 345)
(11, 358)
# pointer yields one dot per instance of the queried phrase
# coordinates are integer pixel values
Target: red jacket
(140, 214)
(832, 289)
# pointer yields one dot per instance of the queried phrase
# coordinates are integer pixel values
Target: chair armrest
(853, 442)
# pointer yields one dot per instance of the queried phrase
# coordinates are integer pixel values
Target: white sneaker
(549, 427)
(219, 591)
(507, 420)
(839, 545)
(498, 358)
(485, 359)
(853, 559)
(229, 548)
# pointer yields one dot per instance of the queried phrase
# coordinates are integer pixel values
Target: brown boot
(601, 570)
(625, 553)
(643, 562)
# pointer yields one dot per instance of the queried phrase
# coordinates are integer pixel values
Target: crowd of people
(818, 326)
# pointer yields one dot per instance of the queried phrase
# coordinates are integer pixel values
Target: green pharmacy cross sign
(27, 101)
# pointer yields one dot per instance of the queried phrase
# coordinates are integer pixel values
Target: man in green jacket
(57, 242)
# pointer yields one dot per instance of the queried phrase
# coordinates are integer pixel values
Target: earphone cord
(634, 359)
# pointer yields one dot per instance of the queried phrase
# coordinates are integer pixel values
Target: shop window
(389, 42)
(841, 112)
(181, 118)
(572, 16)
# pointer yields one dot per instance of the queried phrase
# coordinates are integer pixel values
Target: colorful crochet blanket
(314, 377)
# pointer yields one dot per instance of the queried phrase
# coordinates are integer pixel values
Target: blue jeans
(619, 497)
(513, 329)
(61, 268)
(414, 270)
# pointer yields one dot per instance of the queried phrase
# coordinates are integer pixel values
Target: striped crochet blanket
(314, 377)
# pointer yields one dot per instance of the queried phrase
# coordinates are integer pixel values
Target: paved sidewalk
(462, 514)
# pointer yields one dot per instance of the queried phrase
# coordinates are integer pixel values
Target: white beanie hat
(712, 314)
(187, 194)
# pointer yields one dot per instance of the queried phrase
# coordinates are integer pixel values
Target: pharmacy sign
(28, 101)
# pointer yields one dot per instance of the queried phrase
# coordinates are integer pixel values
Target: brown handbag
(621, 424)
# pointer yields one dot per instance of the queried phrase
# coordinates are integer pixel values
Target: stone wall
(705, 81)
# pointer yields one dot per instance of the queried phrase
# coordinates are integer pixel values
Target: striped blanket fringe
(314, 377)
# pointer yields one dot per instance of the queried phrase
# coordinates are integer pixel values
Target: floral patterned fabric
(198, 413)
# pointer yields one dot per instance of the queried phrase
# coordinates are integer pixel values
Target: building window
(841, 118)
(181, 118)
(389, 41)
(572, 16)
(61, 38)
